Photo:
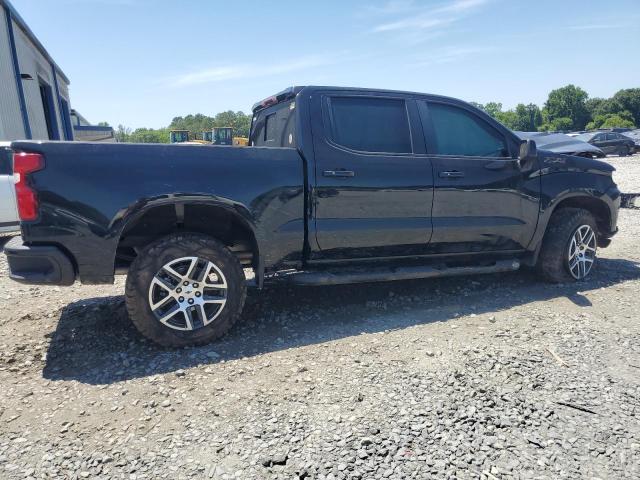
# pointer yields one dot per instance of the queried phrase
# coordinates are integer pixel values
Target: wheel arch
(597, 206)
(594, 205)
(228, 222)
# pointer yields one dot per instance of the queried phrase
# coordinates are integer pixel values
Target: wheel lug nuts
(191, 300)
(181, 299)
(195, 285)
(185, 283)
(178, 290)
(198, 294)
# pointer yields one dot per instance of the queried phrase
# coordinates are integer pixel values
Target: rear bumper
(9, 227)
(38, 264)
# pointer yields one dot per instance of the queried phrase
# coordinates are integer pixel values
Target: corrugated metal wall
(33, 63)
(11, 125)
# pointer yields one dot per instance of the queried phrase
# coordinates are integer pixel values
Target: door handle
(451, 174)
(339, 173)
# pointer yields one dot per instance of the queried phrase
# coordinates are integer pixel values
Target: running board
(378, 274)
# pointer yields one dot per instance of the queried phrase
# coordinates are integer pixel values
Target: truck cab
(337, 185)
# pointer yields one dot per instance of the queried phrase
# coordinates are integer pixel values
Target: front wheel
(569, 246)
(185, 289)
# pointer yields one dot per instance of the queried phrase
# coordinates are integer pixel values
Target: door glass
(370, 124)
(458, 132)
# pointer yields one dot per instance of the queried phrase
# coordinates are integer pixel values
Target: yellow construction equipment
(179, 136)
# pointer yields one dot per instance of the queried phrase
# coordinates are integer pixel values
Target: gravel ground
(627, 174)
(491, 377)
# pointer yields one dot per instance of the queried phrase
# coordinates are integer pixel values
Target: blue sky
(142, 62)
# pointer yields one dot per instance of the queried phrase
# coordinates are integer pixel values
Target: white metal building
(34, 94)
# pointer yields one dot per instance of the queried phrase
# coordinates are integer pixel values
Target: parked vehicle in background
(358, 185)
(8, 213)
(635, 136)
(563, 143)
(222, 136)
(611, 143)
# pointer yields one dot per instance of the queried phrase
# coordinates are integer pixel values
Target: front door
(483, 201)
(373, 183)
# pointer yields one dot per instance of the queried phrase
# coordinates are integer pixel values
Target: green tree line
(570, 109)
(195, 124)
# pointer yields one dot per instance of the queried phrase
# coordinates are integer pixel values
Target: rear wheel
(569, 246)
(185, 289)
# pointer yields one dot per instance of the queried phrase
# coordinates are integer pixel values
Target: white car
(8, 212)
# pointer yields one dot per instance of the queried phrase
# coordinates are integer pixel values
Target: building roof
(23, 25)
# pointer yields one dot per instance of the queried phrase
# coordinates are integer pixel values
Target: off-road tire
(148, 263)
(553, 263)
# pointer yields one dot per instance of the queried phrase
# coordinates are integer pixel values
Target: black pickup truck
(338, 185)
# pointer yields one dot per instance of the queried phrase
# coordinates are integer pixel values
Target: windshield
(585, 137)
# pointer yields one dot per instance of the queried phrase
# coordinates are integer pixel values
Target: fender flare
(543, 220)
(127, 216)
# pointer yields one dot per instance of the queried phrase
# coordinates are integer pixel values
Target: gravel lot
(480, 377)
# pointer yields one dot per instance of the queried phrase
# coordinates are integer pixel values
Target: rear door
(8, 212)
(373, 186)
(483, 201)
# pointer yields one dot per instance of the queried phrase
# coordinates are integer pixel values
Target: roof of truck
(291, 92)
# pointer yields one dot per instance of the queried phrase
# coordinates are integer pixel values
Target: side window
(611, 136)
(370, 124)
(5, 161)
(459, 132)
(274, 126)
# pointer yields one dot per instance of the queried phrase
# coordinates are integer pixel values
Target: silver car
(8, 211)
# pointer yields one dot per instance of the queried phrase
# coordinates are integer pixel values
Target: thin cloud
(393, 7)
(425, 18)
(420, 23)
(245, 70)
(600, 26)
(460, 6)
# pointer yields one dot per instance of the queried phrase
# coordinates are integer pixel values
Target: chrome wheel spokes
(188, 293)
(582, 251)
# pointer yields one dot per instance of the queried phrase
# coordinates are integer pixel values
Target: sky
(142, 62)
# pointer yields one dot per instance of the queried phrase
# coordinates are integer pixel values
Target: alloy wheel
(188, 293)
(582, 251)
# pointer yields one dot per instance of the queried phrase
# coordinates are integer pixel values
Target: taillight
(26, 197)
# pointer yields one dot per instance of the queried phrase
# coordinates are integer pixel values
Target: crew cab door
(373, 186)
(483, 200)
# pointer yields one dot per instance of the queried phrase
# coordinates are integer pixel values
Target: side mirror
(528, 154)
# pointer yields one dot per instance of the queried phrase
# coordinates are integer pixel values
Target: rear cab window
(275, 126)
(368, 124)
